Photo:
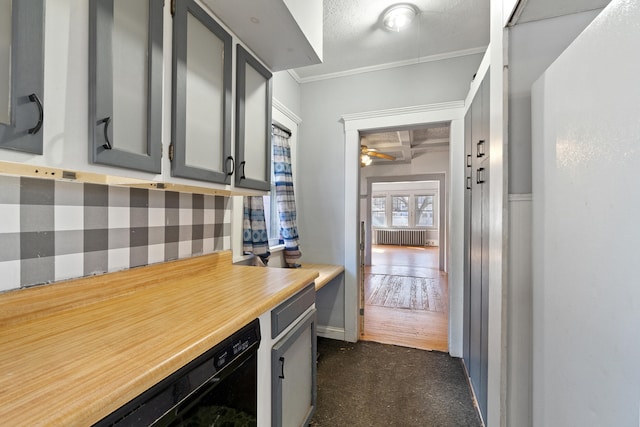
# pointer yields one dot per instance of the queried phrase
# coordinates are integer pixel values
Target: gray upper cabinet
(21, 74)
(201, 110)
(125, 83)
(253, 123)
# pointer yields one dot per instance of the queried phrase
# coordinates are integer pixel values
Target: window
(378, 211)
(424, 211)
(404, 210)
(400, 211)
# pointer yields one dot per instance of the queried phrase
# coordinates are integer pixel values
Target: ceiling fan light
(398, 17)
(365, 160)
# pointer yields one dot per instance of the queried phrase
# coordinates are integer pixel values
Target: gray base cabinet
(293, 360)
(293, 375)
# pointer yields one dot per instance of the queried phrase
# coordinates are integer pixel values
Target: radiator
(400, 237)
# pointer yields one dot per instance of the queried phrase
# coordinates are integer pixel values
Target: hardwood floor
(411, 307)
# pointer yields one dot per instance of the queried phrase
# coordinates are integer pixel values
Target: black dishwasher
(219, 388)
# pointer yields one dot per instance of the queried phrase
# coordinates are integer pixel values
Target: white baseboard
(330, 332)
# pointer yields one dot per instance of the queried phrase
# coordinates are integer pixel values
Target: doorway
(354, 124)
(404, 285)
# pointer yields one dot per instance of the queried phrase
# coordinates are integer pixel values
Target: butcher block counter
(73, 352)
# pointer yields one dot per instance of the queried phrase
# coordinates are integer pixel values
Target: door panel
(476, 263)
(467, 236)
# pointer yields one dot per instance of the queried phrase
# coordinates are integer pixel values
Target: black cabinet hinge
(171, 152)
(173, 7)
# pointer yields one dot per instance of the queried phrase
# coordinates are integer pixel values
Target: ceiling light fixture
(399, 16)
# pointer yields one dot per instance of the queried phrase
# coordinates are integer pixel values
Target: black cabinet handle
(107, 145)
(480, 176)
(233, 165)
(468, 160)
(281, 368)
(34, 98)
(480, 149)
(242, 164)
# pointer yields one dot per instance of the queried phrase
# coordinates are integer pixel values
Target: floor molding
(330, 332)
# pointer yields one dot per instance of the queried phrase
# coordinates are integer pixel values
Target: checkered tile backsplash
(56, 230)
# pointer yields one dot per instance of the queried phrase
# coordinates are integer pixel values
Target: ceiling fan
(367, 153)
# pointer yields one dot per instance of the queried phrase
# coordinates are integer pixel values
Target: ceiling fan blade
(381, 155)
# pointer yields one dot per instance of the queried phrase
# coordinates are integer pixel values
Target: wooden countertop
(327, 272)
(73, 352)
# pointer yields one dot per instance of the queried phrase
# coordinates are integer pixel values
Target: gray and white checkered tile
(56, 230)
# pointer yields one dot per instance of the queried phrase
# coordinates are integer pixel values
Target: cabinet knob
(480, 148)
(107, 145)
(233, 165)
(281, 376)
(34, 98)
(480, 178)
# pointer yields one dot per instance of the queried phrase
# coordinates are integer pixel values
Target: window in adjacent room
(378, 211)
(400, 211)
(424, 211)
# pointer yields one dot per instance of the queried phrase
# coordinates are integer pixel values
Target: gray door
(476, 273)
(125, 83)
(23, 77)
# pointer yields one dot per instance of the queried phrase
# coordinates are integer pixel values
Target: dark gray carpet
(371, 384)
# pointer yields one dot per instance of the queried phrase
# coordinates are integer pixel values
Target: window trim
(412, 208)
(433, 209)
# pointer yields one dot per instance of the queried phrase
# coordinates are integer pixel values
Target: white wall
(586, 298)
(533, 46)
(322, 151)
(287, 91)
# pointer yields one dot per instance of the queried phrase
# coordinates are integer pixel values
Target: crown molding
(416, 109)
(422, 60)
(286, 111)
(295, 75)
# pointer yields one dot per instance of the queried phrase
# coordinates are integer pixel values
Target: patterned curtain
(285, 197)
(254, 230)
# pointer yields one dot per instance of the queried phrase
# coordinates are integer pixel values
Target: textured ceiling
(354, 37)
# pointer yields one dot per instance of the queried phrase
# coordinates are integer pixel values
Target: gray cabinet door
(293, 375)
(253, 123)
(475, 291)
(468, 167)
(201, 110)
(125, 83)
(22, 75)
(476, 273)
